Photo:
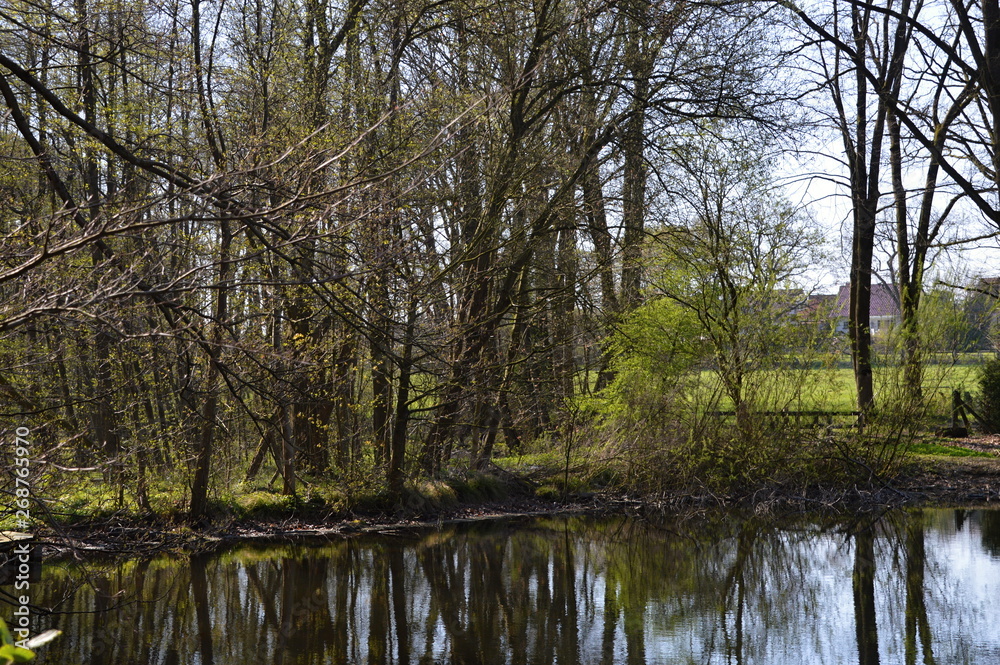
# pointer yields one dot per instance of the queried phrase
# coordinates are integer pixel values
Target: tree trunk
(397, 453)
(205, 443)
(633, 146)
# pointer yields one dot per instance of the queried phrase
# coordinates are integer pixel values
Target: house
(815, 310)
(883, 311)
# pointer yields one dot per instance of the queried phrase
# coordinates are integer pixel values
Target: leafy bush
(989, 394)
(668, 420)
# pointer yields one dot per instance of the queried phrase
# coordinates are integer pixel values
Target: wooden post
(957, 410)
(963, 411)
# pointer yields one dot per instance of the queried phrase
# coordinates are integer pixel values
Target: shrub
(989, 394)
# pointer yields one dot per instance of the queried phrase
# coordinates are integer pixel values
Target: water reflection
(904, 587)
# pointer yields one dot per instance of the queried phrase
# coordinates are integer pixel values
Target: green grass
(532, 460)
(926, 448)
(972, 358)
(833, 389)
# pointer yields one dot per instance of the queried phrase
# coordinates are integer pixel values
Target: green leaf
(5, 633)
(15, 654)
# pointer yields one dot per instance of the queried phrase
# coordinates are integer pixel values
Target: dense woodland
(346, 240)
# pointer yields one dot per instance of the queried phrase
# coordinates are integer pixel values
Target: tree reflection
(989, 524)
(199, 594)
(735, 589)
(611, 613)
(864, 596)
(916, 607)
(395, 556)
(566, 592)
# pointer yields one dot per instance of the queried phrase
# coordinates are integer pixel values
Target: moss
(549, 492)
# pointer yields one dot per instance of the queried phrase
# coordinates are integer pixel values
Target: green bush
(989, 394)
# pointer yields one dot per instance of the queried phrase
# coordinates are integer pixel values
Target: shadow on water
(905, 587)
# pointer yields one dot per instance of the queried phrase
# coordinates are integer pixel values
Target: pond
(903, 587)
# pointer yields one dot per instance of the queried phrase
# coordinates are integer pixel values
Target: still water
(905, 587)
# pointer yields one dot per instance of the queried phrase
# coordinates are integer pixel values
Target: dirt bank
(924, 481)
(946, 481)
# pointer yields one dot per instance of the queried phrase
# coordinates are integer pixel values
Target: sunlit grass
(833, 389)
(936, 449)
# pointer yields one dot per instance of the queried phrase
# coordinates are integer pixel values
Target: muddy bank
(148, 536)
(952, 481)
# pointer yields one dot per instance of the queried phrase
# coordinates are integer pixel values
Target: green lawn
(833, 389)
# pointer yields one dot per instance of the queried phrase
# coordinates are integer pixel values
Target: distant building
(883, 311)
(817, 306)
(814, 311)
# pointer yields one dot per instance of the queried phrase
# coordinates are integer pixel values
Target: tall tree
(862, 74)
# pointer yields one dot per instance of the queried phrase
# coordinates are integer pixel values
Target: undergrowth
(87, 499)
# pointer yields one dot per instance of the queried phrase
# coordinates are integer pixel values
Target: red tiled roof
(816, 304)
(884, 302)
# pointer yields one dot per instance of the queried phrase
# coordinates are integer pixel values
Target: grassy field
(833, 389)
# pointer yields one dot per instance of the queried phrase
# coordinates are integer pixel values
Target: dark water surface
(909, 587)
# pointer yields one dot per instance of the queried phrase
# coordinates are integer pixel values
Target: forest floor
(925, 480)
